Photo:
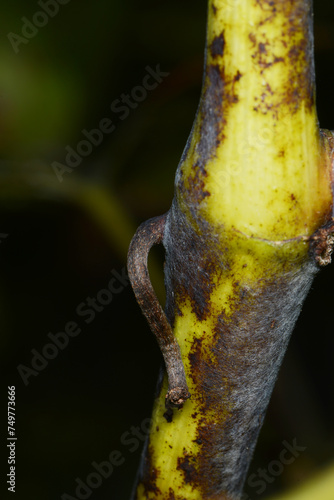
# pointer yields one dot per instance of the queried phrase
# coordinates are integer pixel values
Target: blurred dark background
(60, 242)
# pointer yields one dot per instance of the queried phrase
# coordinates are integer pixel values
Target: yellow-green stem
(242, 243)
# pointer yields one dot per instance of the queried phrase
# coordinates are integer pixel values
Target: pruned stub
(322, 244)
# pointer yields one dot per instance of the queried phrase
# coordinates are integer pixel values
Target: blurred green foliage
(65, 238)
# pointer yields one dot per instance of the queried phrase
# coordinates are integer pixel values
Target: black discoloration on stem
(148, 234)
(217, 45)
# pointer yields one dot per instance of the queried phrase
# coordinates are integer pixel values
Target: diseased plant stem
(250, 225)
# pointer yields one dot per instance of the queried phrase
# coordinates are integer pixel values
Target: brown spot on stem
(237, 76)
(186, 465)
(171, 494)
(150, 474)
(262, 48)
(252, 38)
(217, 46)
(195, 359)
(196, 184)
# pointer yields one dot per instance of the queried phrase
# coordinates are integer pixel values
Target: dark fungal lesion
(237, 76)
(171, 494)
(217, 46)
(195, 281)
(186, 464)
(219, 94)
(196, 185)
(211, 115)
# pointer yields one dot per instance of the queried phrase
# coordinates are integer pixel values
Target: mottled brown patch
(171, 494)
(195, 357)
(150, 474)
(211, 111)
(264, 58)
(187, 281)
(296, 34)
(236, 361)
(196, 184)
(186, 464)
(219, 95)
(217, 46)
(234, 373)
